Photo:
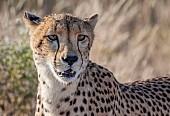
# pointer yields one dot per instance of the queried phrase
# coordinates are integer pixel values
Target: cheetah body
(93, 90)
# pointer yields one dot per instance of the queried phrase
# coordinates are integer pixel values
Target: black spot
(84, 101)
(46, 110)
(108, 74)
(167, 90)
(75, 109)
(163, 99)
(105, 109)
(100, 80)
(81, 108)
(90, 108)
(163, 86)
(97, 74)
(43, 82)
(95, 80)
(144, 109)
(141, 100)
(127, 96)
(67, 99)
(100, 67)
(102, 99)
(164, 94)
(168, 99)
(149, 103)
(68, 113)
(104, 74)
(89, 94)
(110, 85)
(122, 105)
(38, 109)
(164, 107)
(78, 92)
(92, 114)
(38, 97)
(42, 106)
(97, 98)
(93, 93)
(93, 74)
(149, 114)
(157, 97)
(101, 109)
(106, 84)
(63, 89)
(97, 110)
(132, 109)
(74, 101)
(90, 84)
(112, 98)
(140, 93)
(95, 103)
(82, 83)
(71, 103)
(84, 93)
(109, 109)
(136, 107)
(133, 97)
(157, 108)
(153, 109)
(155, 89)
(62, 112)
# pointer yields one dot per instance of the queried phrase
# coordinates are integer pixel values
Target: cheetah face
(61, 43)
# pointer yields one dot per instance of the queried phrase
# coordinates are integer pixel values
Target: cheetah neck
(53, 97)
(50, 90)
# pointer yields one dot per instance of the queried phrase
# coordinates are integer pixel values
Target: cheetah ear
(92, 20)
(31, 20)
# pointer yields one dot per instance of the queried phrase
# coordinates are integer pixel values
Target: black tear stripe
(88, 43)
(56, 52)
(78, 47)
(80, 54)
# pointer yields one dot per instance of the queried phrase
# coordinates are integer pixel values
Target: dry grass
(132, 36)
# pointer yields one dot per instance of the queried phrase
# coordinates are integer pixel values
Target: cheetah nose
(70, 59)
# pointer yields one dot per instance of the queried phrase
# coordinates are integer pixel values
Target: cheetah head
(61, 43)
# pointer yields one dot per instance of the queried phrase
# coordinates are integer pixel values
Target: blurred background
(132, 40)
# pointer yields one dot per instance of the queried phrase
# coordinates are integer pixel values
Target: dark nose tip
(70, 59)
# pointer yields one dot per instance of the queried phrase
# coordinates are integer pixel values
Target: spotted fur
(93, 91)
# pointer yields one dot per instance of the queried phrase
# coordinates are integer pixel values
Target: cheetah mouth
(67, 74)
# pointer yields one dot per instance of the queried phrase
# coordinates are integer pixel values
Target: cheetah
(72, 85)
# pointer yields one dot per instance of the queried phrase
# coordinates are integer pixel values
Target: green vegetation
(18, 77)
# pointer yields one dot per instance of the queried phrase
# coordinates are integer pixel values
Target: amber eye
(52, 37)
(81, 37)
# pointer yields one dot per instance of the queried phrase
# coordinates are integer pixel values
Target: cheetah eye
(52, 37)
(81, 37)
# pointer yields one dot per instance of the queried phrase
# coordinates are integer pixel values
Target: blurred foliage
(132, 40)
(18, 77)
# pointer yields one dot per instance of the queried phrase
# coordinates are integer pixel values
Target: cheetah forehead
(63, 18)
